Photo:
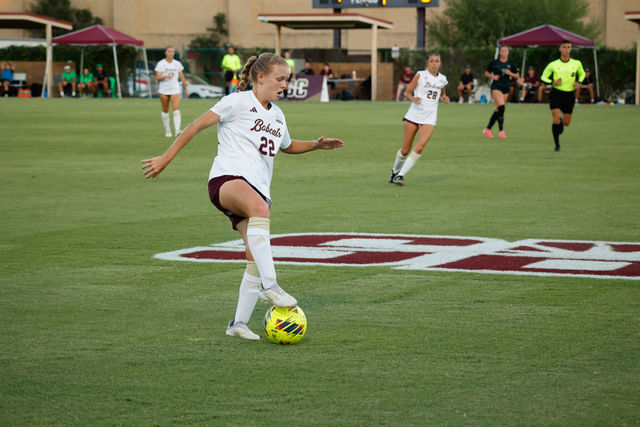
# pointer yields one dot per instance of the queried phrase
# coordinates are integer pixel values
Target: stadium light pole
(420, 11)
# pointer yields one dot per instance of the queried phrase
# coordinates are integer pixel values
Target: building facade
(169, 22)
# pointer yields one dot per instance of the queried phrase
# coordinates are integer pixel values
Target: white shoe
(460, 100)
(61, 94)
(240, 329)
(167, 133)
(73, 94)
(277, 296)
(178, 132)
(470, 100)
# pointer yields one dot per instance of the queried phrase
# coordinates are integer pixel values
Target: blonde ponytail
(258, 64)
(244, 75)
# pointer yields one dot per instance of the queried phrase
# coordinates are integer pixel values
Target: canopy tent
(345, 21)
(99, 35)
(548, 35)
(33, 21)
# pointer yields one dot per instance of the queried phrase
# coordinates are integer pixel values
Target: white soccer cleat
(167, 133)
(240, 329)
(277, 296)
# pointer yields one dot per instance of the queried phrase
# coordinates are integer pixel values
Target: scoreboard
(353, 4)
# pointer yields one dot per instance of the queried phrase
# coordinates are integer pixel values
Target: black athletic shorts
(502, 87)
(562, 100)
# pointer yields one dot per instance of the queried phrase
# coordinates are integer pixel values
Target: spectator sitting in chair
(530, 84)
(7, 77)
(67, 80)
(466, 83)
(307, 70)
(85, 82)
(587, 83)
(403, 81)
(328, 72)
(101, 81)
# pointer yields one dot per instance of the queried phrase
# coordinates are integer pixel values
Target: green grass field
(96, 331)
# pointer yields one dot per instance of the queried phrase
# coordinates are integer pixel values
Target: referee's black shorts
(562, 100)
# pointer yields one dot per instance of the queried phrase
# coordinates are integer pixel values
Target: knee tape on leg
(258, 226)
(252, 269)
(414, 156)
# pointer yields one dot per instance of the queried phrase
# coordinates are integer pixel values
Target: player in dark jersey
(501, 71)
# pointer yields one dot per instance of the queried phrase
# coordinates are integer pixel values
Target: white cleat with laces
(277, 296)
(240, 329)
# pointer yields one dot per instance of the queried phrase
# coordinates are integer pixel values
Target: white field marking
(437, 254)
(600, 250)
(578, 265)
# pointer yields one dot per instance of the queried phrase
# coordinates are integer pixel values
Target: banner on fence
(307, 88)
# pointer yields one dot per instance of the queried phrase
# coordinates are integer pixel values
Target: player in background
(501, 71)
(424, 91)
(565, 75)
(168, 71)
(251, 130)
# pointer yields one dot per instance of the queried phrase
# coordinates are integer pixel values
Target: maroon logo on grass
(596, 259)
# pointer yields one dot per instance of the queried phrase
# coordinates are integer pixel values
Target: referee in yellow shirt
(231, 66)
(565, 74)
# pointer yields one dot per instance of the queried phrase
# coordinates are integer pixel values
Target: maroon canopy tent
(99, 35)
(548, 35)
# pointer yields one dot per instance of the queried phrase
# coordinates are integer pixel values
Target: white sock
(165, 121)
(248, 295)
(408, 164)
(177, 118)
(399, 162)
(260, 247)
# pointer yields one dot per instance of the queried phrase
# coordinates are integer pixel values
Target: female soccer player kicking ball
(424, 92)
(251, 130)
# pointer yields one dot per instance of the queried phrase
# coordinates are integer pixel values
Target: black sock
(556, 130)
(501, 116)
(561, 125)
(493, 119)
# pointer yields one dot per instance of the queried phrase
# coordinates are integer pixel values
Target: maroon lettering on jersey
(259, 126)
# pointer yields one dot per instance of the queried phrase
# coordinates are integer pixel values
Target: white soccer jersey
(429, 89)
(170, 86)
(249, 137)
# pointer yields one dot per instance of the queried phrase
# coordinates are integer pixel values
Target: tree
(62, 9)
(210, 55)
(475, 23)
(215, 36)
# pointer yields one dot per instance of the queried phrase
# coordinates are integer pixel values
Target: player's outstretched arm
(152, 167)
(322, 143)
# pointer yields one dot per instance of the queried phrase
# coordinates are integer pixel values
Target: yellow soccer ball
(285, 325)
